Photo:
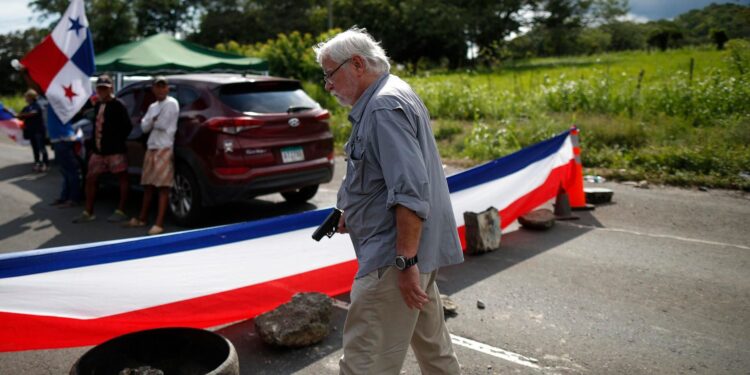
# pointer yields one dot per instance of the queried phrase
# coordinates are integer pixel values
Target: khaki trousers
(379, 328)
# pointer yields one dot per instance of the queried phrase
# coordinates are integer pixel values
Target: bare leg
(90, 193)
(163, 200)
(124, 188)
(147, 194)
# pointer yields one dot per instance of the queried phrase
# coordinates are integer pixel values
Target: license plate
(292, 154)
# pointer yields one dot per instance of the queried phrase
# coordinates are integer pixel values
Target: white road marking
(495, 352)
(659, 236)
(475, 345)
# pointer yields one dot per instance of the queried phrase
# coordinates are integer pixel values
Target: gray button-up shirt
(392, 159)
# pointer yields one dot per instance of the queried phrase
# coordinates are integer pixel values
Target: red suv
(238, 137)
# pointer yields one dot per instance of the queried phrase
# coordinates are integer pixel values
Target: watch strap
(408, 262)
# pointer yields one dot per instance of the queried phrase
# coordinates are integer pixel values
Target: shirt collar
(359, 107)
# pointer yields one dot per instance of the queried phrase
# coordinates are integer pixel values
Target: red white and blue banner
(11, 126)
(63, 63)
(86, 294)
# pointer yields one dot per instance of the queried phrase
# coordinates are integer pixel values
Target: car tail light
(233, 125)
(323, 116)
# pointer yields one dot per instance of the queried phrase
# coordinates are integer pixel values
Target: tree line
(448, 33)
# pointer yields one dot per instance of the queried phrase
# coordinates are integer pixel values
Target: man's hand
(411, 291)
(342, 224)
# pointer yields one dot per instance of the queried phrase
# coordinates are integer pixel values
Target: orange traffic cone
(575, 192)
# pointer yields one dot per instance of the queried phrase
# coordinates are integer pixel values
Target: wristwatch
(403, 262)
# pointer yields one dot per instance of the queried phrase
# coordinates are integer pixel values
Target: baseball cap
(160, 80)
(104, 80)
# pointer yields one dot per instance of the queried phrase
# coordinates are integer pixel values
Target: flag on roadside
(11, 126)
(88, 293)
(63, 63)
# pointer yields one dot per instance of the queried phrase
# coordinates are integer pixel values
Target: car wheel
(300, 195)
(185, 197)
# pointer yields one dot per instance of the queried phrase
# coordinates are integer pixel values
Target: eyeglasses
(328, 76)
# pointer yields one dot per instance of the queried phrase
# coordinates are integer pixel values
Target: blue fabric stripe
(5, 114)
(506, 165)
(149, 247)
(84, 57)
(55, 127)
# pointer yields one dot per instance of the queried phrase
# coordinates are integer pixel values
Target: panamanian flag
(63, 63)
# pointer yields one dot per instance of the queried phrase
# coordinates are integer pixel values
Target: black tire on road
(185, 202)
(300, 195)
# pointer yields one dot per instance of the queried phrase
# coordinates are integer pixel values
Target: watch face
(400, 262)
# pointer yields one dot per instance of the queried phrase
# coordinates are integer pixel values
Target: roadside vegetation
(642, 115)
(679, 117)
(666, 101)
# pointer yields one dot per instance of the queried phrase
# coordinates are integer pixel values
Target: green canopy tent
(162, 54)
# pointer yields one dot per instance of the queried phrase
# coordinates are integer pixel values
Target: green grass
(15, 102)
(666, 126)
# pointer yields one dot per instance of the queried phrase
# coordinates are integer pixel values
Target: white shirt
(161, 121)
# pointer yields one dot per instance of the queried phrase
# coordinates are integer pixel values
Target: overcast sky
(16, 14)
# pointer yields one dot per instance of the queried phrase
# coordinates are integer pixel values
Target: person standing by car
(397, 211)
(35, 131)
(158, 163)
(111, 130)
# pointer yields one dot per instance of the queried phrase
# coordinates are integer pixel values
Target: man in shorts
(111, 129)
(158, 163)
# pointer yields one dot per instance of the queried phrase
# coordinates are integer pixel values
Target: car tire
(185, 202)
(300, 195)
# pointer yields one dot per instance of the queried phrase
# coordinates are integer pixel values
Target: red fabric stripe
(558, 177)
(44, 62)
(561, 176)
(27, 332)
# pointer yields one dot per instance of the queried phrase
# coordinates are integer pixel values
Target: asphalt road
(658, 282)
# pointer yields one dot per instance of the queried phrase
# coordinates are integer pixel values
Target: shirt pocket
(355, 172)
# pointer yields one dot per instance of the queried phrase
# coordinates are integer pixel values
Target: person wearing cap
(35, 131)
(158, 163)
(111, 130)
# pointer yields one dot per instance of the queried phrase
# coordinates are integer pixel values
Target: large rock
(482, 231)
(450, 308)
(303, 321)
(541, 219)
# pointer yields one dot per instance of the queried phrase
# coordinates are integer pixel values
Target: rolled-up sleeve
(401, 161)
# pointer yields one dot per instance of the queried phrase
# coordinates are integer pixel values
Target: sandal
(155, 230)
(134, 223)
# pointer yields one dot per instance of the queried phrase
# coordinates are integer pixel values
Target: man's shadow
(518, 246)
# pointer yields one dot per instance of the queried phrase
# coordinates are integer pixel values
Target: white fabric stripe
(103, 290)
(68, 41)
(502, 192)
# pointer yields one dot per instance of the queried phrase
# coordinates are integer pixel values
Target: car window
(266, 97)
(128, 99)
(186, 96)
(148, 97)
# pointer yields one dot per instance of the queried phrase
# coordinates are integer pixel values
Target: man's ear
(359, 64)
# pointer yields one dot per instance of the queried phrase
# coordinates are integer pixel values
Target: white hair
(354, 41)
